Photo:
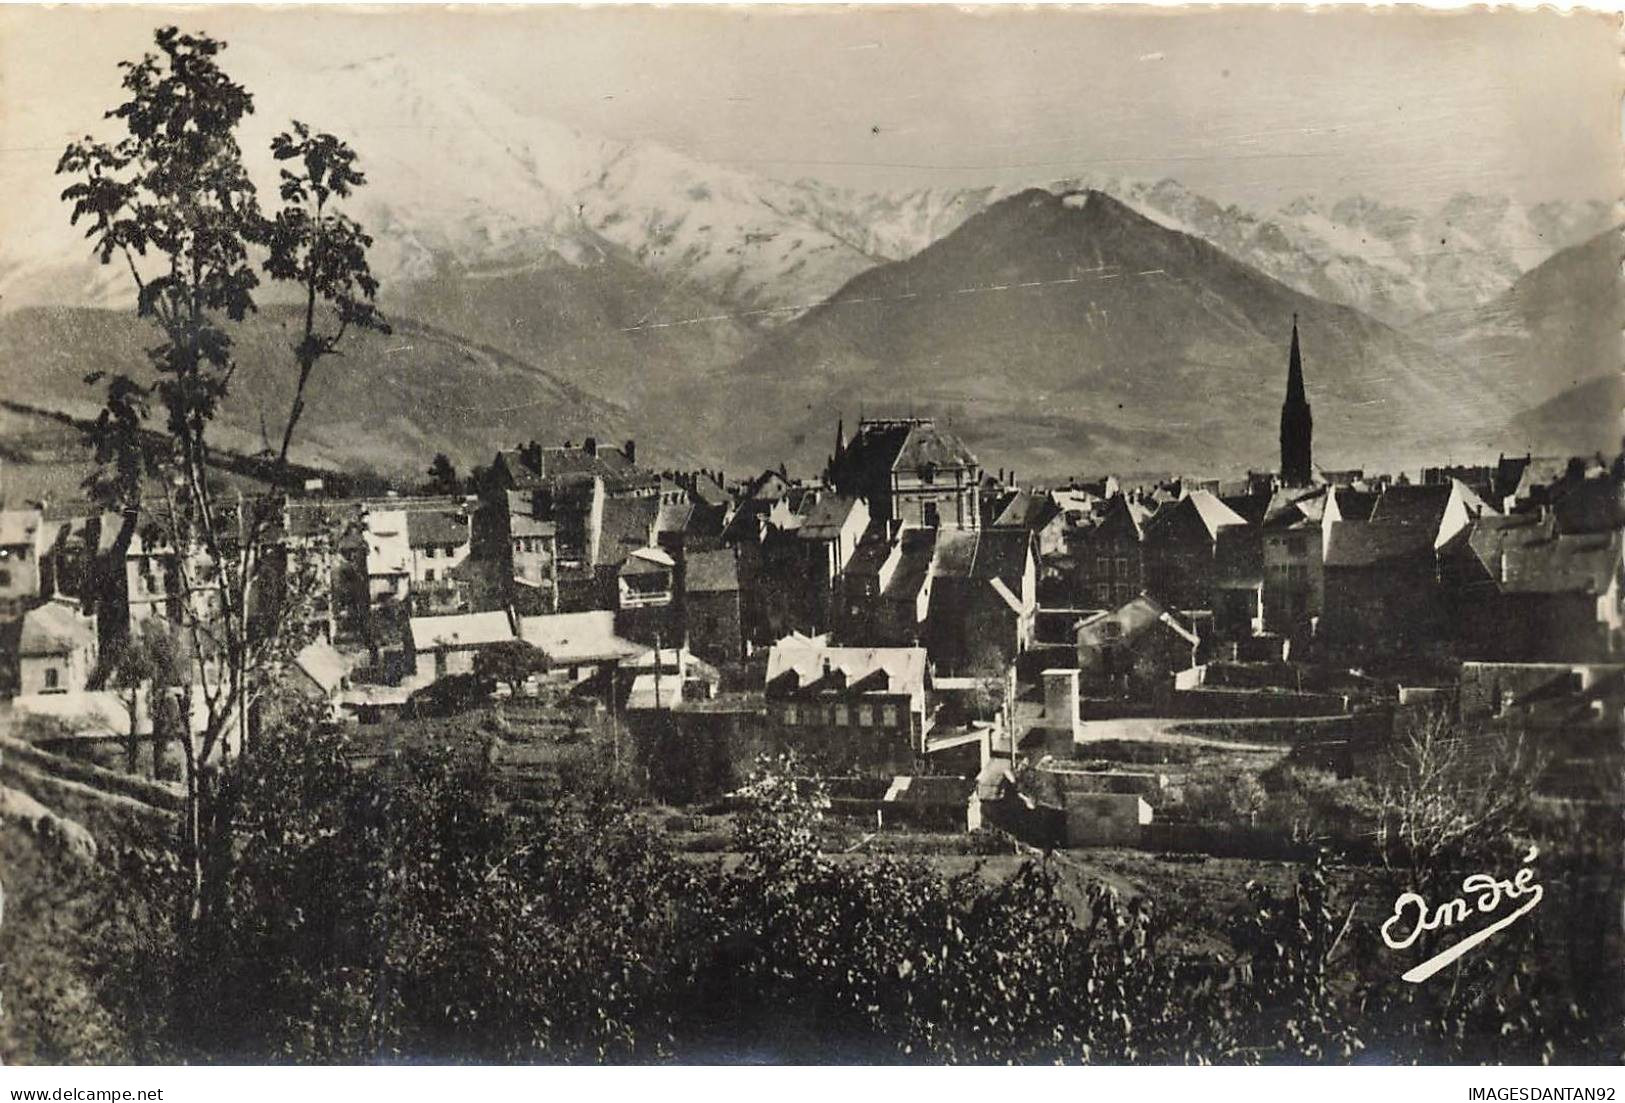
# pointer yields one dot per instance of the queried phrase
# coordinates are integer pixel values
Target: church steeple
(1297, 424)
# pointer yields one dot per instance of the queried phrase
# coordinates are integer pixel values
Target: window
(1295, 545)
(790, 715)
(1102, 564)
(1124, 591)
(843, 716)
(888, 715)
(428, 575)
(1122, 566)
(53, 678)
(866, 716)
(1103, 591)
(932, 518)
(5, 578)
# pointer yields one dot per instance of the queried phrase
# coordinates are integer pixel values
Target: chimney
(1061, 707)
(631, 451)
(590, 446)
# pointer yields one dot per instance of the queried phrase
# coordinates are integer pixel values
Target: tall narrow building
(1297, 425)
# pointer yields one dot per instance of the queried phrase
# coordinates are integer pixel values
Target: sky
(1250, 106)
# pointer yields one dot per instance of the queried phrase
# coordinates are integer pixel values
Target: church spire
(1297, 423)
(1294, 370)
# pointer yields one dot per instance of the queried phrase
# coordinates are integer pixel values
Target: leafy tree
(511, 662)
(443, 475)
(150, 660)
(173, 201)
(321, 250)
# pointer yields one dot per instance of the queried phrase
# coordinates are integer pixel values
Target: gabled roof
(1121, 519)
(648, 561)
(1368, 543)
(711, 572)
(460, 630)
(983, 555)
(798, 663)
(1352, 504)
(827, 517)
(1131, 619)
(55, 628)
(1251, 508)
(1028, 510)
(673, 516)
(928, 446)
(570, 638)
(1203, 507)
(706, 491)
(1292, 507)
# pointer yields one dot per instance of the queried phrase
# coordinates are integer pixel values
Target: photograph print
(811, 536)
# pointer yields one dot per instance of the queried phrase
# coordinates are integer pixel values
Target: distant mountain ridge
(461, 182)
(1395, 263)
(1059, 331)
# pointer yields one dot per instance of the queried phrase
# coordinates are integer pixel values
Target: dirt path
(1153, 730)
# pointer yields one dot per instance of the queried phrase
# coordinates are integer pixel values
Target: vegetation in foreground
(407, 914)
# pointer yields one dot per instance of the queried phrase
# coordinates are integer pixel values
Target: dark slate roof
(914, 565)
(1355, 505)
(1249, 507)
(674, 516)
(956, 551)
(322, 518)
(606, 461)
(828, 515)
(1291, 507)
(1205, 507)
(1564, 565)
(1368, 543)
(1589, 505)
(868, 559)
(707, 492)
(433, 527)
(1121, 519)
(711, 572)
(1412, 505)
(628, 525)
(746, 522)
(1028, 510)
(927, 445)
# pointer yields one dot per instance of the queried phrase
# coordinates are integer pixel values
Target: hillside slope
(387, 405)
(1556, 327)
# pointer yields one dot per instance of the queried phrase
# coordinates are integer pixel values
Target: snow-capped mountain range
(461, 182)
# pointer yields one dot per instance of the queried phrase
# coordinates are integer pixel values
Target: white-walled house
(57, 649)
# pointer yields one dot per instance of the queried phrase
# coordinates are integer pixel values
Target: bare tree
(1450, 796)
